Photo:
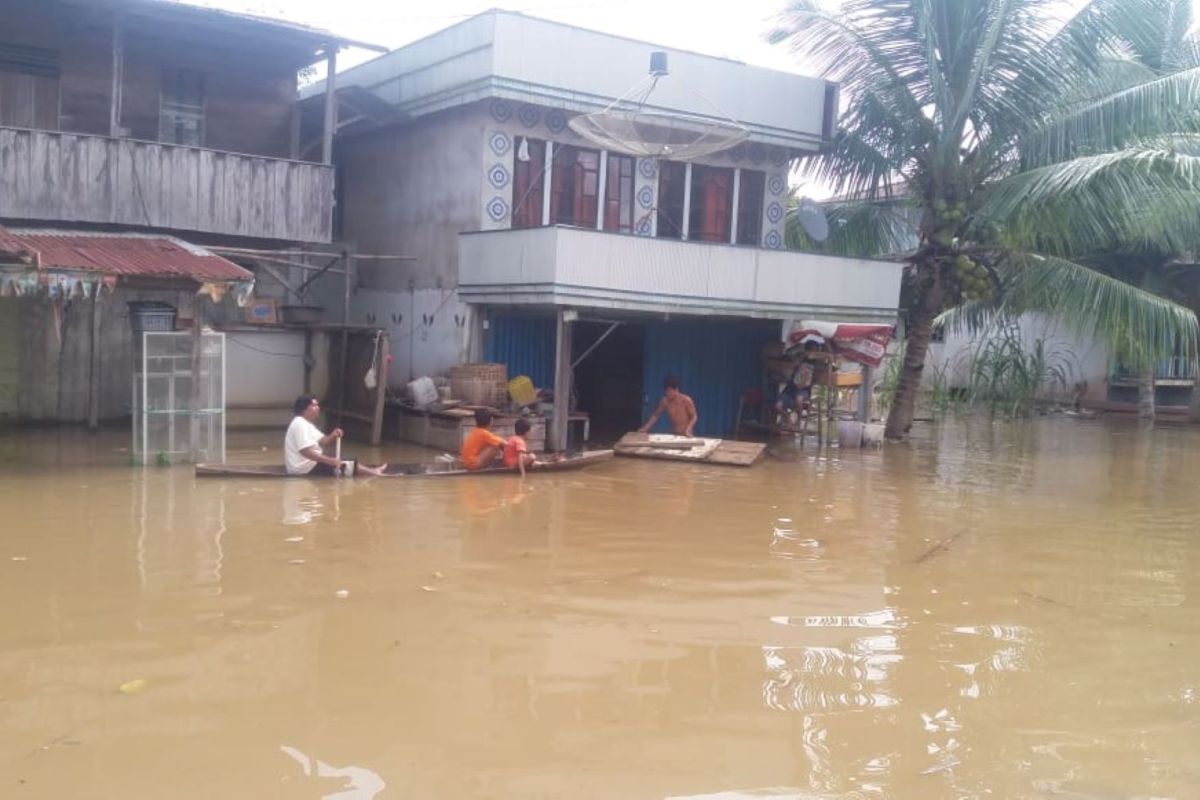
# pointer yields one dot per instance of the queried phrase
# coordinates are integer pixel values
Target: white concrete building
(456, 151)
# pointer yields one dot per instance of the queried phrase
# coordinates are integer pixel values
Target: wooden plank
(75, 178)
(643, 446)
(738, 454)
(717, 451)
(661, 442)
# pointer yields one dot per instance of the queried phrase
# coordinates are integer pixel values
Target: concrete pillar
(864, 394)
(562, 380)
(686, 224)
(547, 176)
(737, 197)
(602, 190)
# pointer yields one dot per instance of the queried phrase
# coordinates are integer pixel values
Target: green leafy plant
(1007, 378)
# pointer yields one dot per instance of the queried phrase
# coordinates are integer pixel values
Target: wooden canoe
(708, 451)
(436, 469)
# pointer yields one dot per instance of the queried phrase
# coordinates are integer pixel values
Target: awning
(117, 255)
(861, 342)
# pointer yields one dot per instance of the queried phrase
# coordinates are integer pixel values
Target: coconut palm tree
(1019, 140)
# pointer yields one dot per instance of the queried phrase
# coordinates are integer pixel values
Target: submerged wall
(1079, 357)
(45, 360)
(45, 369)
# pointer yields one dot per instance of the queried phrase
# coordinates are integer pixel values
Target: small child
(516, 449)
(482, 447)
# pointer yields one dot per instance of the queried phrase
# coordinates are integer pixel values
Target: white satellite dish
(631, 124)
(813, 220)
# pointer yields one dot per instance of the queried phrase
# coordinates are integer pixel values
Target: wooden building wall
(249, 98)
(57, 177)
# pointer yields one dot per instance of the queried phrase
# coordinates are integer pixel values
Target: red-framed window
(574, 186)
(712, 204)
(618, 194)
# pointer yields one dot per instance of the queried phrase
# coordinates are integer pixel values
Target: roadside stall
(821, 373)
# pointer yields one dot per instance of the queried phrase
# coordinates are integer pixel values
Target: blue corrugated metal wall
(525, 344)
(715, 362)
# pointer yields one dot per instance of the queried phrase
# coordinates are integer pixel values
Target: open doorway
(608, 382)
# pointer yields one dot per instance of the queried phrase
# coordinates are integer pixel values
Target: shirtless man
(679, 407)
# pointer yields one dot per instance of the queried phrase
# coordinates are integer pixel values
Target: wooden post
(308, 360)
(830, 402)
(344, 364)
(94, 365)
(381, 376)
(118, 74)
(562, 382)
(194, 404)
(331, 109)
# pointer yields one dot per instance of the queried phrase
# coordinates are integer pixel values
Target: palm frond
(1168, 104)
(971, 317)
(864, 48)
(1138, 326)
(871, 230)
(852, 166)
(1141, 194)
(1049, 65)
(860, 229)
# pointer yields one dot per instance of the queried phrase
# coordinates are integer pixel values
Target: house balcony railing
(66, 178)
(587, 268)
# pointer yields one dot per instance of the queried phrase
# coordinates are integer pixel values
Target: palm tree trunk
(920, 331)
(1146, 393)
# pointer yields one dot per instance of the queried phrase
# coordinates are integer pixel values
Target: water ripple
(825, 679)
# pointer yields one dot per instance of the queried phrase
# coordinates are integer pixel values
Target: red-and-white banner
(862, 342)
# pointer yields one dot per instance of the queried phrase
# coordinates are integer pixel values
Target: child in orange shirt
(482, 447)
(516, 449)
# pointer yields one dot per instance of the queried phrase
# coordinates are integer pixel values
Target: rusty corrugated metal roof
(120, 254)
(12, 248)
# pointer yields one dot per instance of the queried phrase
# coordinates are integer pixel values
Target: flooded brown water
(1006, 611)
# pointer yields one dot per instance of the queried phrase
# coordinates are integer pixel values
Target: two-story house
(135, 135)
(593, 270)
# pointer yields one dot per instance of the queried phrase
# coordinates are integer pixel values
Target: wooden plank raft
(694, 449)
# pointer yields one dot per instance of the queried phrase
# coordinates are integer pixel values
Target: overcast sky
(731, 29)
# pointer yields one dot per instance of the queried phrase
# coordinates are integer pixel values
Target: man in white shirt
(303, 443)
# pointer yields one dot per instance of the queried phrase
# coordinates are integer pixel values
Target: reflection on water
(994, 609)
(355, 783)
